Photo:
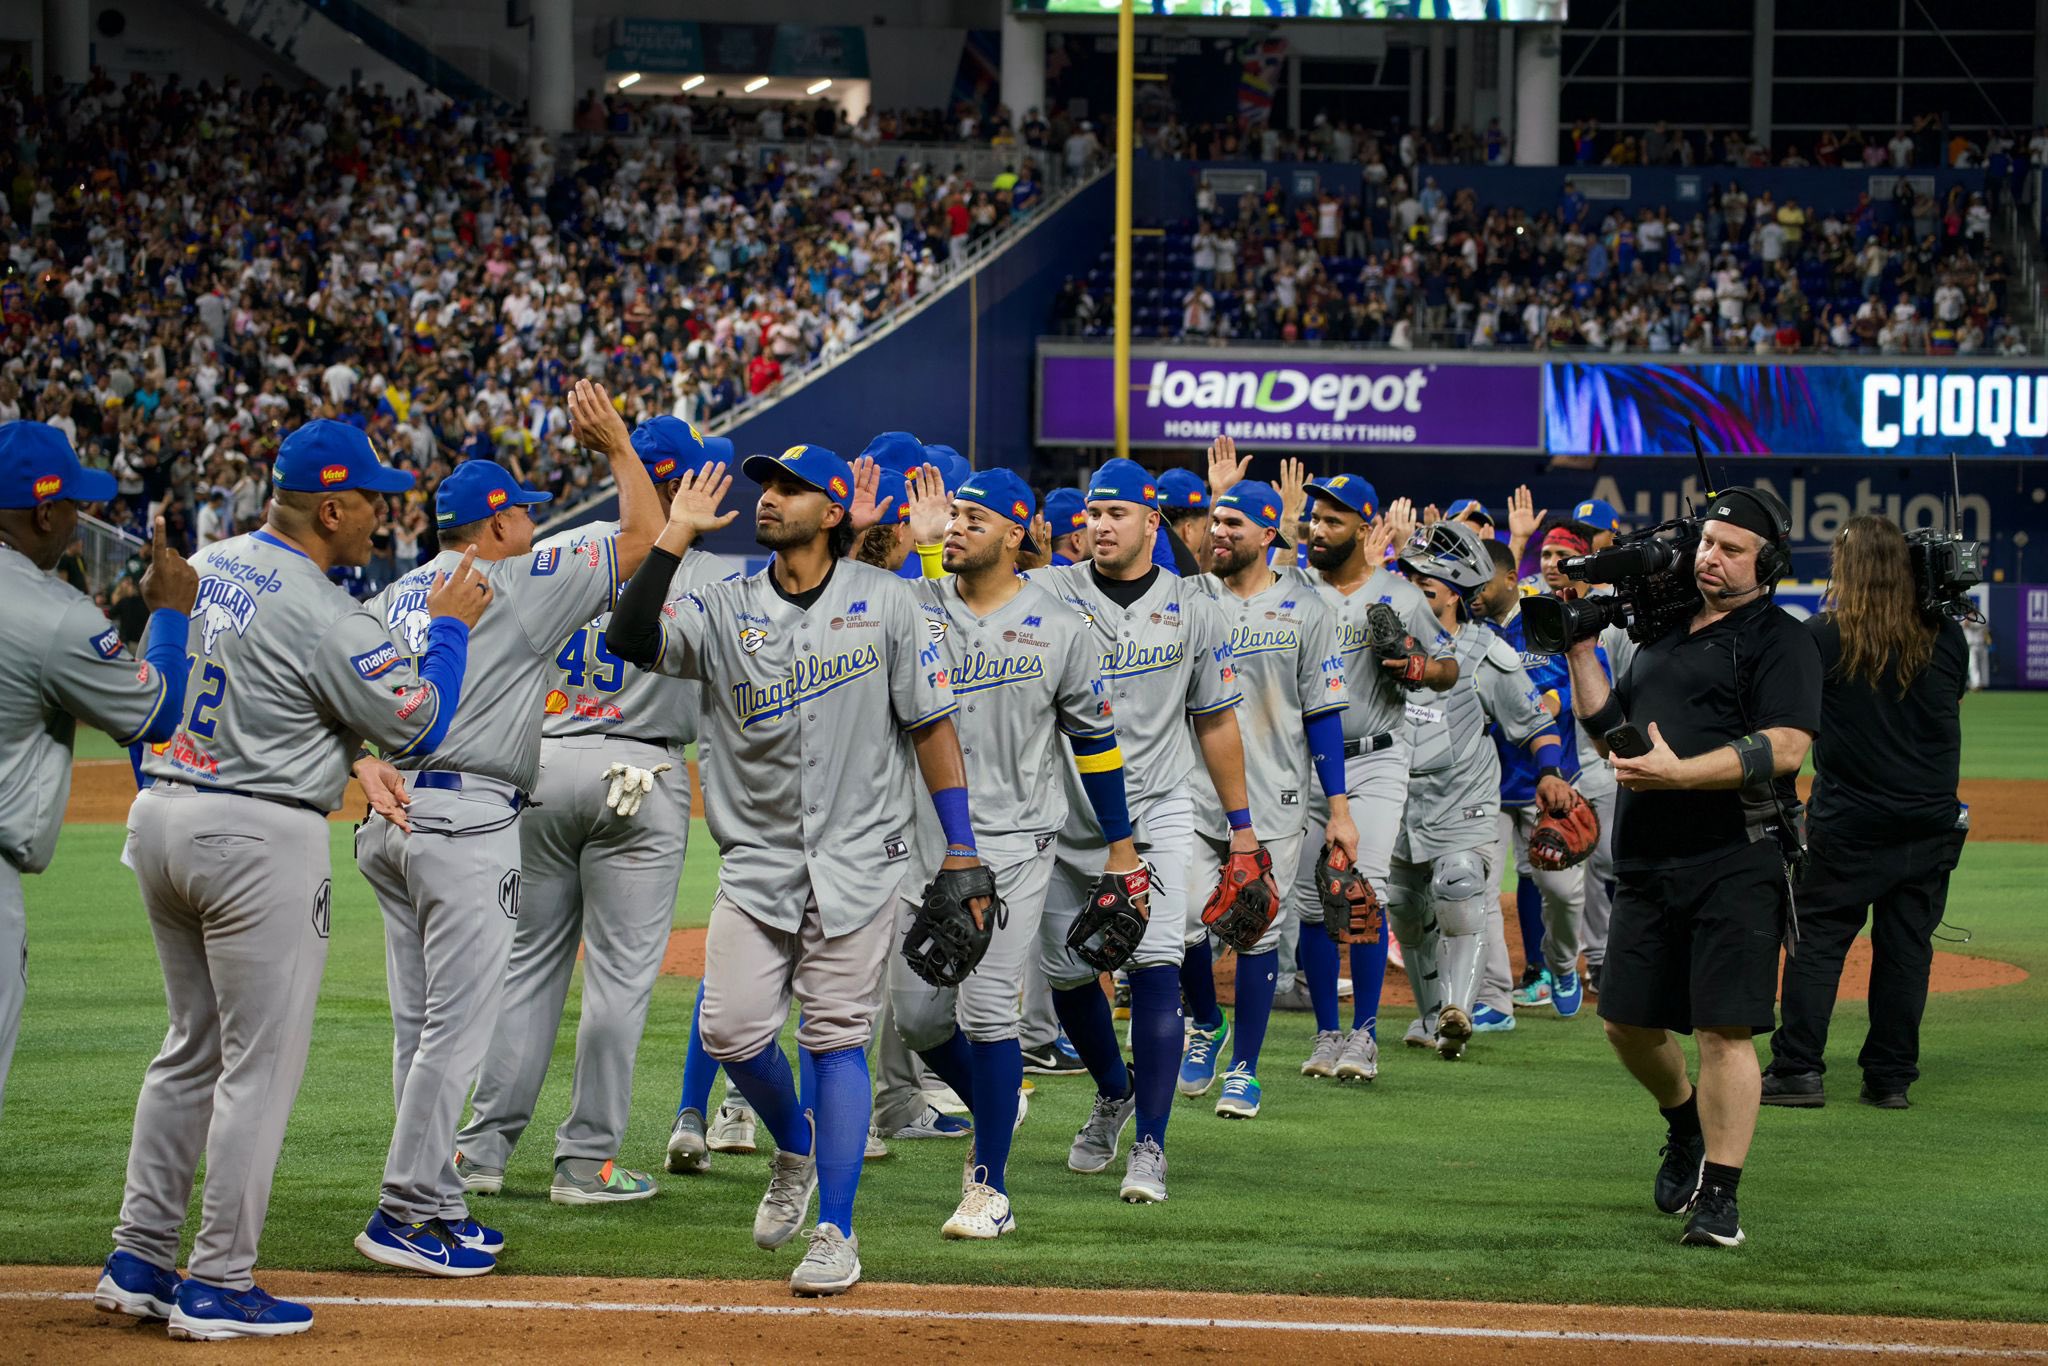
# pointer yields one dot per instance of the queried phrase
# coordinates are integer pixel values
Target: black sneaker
(1794, 1090)
(1884, 1098)
(1678, 1179)
(1592, 977)
(1714, 1222)
(1053, 1060)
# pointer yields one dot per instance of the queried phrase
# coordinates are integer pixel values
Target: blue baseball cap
(1599, 514)
(1180, 488)
(1123, 481)
(1348, 490)
(325, 456)
(477, 489)
(1465, 505)
(952, 466)
(810, 465)
(1004, 494)
(897, 451)
(718, 448)
(37, 466)
(669, 447)
(895, 485)
(1256, 502)
(1066, 511)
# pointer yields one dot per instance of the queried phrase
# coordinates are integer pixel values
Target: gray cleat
(1360, 1060)
(732, 1131)
(478, 1179)
(1095, 1146)
(687, 1150)
(1322, 1059)
(1419, 1035)
(1145, 1175)
(831, 1266)
(792, 1178)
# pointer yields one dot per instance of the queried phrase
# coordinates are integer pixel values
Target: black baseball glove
(947, 938)
(1388, 639)
(1106, 932)
(1351, 909)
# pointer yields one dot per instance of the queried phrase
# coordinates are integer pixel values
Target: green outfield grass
(1522, 1174)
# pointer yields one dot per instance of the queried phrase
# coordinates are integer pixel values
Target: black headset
(1774, 556)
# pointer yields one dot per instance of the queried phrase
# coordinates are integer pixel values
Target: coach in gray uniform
(601, 854)
(825, 694)
(1166, 660)
(229, 844)
(63, 660)
(1348, 538)
(446, 865)
(1284, 649)
(1024, 670)
(1444, 883)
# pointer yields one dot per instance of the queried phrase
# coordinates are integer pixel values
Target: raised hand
(1431, 515)
(1293, 492)
(595, 423)
(866, 510)
(1399, 519)
(695, 508)
(169, 582)
(1523, 517)
(464, 594)
(1041, 537)
(1226, 467)
(1377, 537)
(929, 505)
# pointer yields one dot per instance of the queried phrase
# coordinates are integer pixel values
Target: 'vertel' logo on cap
(497, 498)
(49, 486)
(333, 474)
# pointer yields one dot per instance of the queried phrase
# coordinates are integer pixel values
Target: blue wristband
(1240, 819)
(951, 804)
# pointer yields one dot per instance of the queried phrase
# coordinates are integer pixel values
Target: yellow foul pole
(1120, 364)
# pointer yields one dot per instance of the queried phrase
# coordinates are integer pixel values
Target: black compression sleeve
(635, 631)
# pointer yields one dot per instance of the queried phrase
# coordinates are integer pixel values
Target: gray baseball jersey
(288, 673)
(1025, 674)
(539, 599)
(1454, 783)
(596, 692)
(1284, 649)
(63, 660)
(1376, 699)
(806, 795)
(1165, 658)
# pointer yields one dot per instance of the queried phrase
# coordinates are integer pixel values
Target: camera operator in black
(1883, 825)
(1728, 702)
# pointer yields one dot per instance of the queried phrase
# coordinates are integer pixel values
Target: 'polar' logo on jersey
(808, 678)
(407, 616)
(752, 638)
(222, 606)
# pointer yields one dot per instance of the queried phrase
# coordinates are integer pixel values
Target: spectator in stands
(1198, 313)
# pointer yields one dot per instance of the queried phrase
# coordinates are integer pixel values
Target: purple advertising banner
(2033, 636)
(1190, 395)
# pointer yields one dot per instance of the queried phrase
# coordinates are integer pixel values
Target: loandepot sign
(1305, 405)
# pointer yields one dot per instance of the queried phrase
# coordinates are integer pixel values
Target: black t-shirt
(1885, 766)
(1753, 669)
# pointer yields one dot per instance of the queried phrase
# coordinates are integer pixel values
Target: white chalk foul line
(1425, 1330)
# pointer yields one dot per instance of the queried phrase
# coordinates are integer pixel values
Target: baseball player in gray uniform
(1443, 882)
(1166, 662)
(1348, 538)
(444, 858)
(64, 660)
(229, 844)
(1025, 669)
(600, 856)
(813, 808)
(1284, 648)
(1598, 785)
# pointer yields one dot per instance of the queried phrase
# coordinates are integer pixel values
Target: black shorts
(1696, 946)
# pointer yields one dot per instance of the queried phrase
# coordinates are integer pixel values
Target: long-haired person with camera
(1706, 727)
(1884, 826)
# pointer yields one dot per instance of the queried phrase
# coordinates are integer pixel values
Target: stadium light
(632, 78)
(756, 84)
(693, 82)
(818, 88)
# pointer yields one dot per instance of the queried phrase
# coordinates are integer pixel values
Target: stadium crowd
(192, 269)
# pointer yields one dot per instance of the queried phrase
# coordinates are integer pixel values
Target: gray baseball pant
(1205, 868)
(450, 895)
(1165, 832)
(587, 876)
(1564, 891)
(236, 889)
(985, 1006)
(13, 966)
(1436, 907)
(751, 970)
(1599, 874)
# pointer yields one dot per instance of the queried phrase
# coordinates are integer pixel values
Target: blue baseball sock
(1529, 911)
(844, 1106)
(953, 1063)
(1256, 974)
(806, 1073)
(1158, 1030)
(1368, 978)
(765, 1081)
(1198, 985)
(1315, 956)
(1091, 1029)
(998, 1073)
(700, 1069)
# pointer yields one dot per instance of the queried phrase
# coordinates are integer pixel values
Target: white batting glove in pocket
(630, 786)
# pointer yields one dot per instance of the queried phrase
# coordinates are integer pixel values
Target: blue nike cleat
(432, 1248)
(214, 1313)
(1487, 1020)
(142, 1290)
(1567, 993)
(471, 1234)
(1198, 1061)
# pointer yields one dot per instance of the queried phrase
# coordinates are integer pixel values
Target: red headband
(1569, 539)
